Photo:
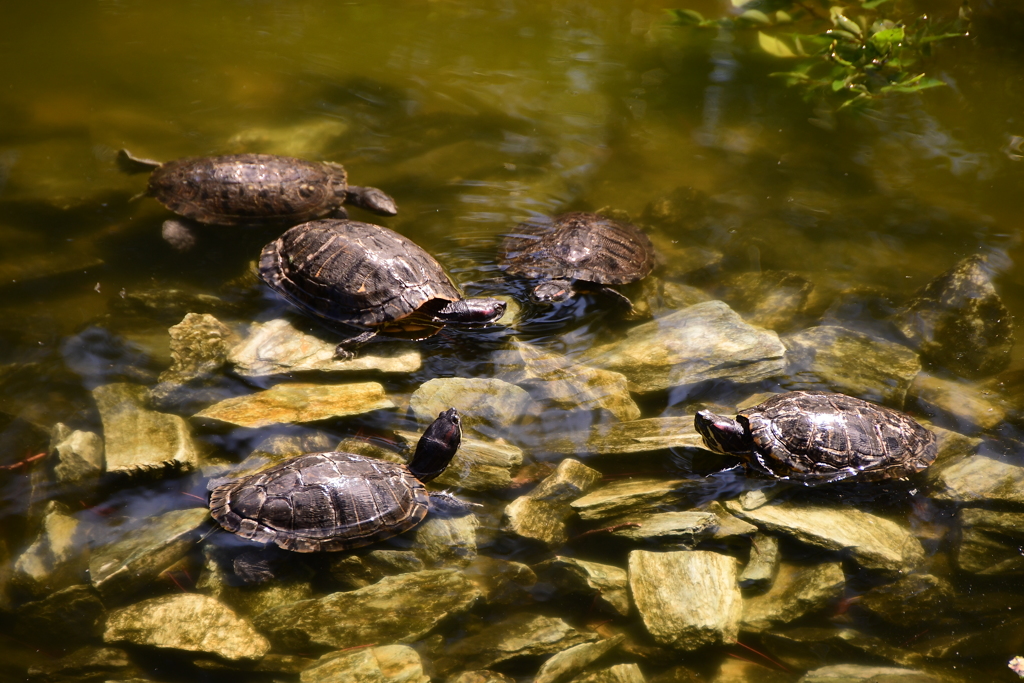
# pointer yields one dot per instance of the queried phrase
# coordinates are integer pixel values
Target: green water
(474, 116)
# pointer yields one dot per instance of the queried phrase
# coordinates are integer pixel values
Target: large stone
(385, 664)
(489, 407)
(635, 436)
(769, 298)
(763, 564)
(277, 347)
(359, 571)
(989, 542)
(850, 362)
(142, 551)
(684, 528)
(970, 409)
(703, 342)
(687, 599)
(607, 585)
(872, 541)
(54, 558)
(199, 348)
(570, 480)
(567, 663)
(140, 441)
(629, 496)
(79, 454)
(396, 609)
(958, 322)
(746, 671)
(88, 663)
(297, 403)
(479, 465)
(796, 592)
(978, 479)
(72, 614)
(912, 600)
(560, 382)
(860, 673)
(620, 673)
(189, 622)
(520, 635)
(541, 514)
(443, 540)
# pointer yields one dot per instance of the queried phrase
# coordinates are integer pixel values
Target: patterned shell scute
(820, 437)
(249, 189)
(322, 502)
(354, 272)
(580, 246)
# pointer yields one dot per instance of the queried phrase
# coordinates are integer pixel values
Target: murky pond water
(793, 247)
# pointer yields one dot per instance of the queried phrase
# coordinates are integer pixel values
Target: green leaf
(871, 4)
(915, 84)
(944, 36)
(756, 17)
(782, 17)
(838, 84)
(687, 17)
(844, 22)
(773, 46)
(886, 38)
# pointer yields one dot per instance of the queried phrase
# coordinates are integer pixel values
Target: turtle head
(437, 446)
(371, 199)
(723, 434)
(478, 311)
(552, 291)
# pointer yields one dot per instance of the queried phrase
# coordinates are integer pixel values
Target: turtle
(334, 501)
(816, 437)
(577, 252)
(251, 189)
(370, 279)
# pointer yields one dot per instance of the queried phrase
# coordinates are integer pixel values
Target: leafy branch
(849, 57)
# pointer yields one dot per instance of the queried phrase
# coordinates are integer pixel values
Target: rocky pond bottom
(607, 544)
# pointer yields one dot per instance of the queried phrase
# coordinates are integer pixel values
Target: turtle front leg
(445, 503)
(343, 350)
(616, 298)
(371, 199)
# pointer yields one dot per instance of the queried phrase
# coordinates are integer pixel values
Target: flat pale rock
(872, 541)
(687, 599)
(520, 635)
(703, 342)
(489, 407)
(396, 609)
(386, 664)
(635, 436)
(567, 663)
(141, 553)
(796, 592)
(140, 441)
(570, 480)
(859, 673)
(688, 527)
(277, 347)
(189, 622)
(537, 520)
(298, 403)
(629, 496)
(850, 362)
(970, 408)
(978, 479)
(79, 454)
(605, 583)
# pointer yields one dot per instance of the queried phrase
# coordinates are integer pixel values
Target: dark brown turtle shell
(817, 437)
(578, 246)
(359, 274)
(245, 189)
(322, 502)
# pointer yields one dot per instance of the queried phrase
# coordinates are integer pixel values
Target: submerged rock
(564, 384)
(79, 454)
(479, 465)
(740, 671)
(683, 528)
(629, 496)
(859, 673)
(490, 407)
(139, 441)
(770, 298)
(687, 599)
(989, 542)
(635, 436)
(521, 635)
(143, 551)
(871, 541)
(386, 664)
(913, 599)
(958, 322)
(53, 560)
(443, 540)
(970, 409)
(850, 362)
(189, 622)
(978, 479)
(277, 347)
(607, 585)
(72, 614)
(703, 342)
(620, 673)
(541, 514)
(399, 608)
(482, 676)
(199, 348)
(567, 663)
(763, 563)
(88, 663)
(358, 571)
(297, 403)
(796, 592)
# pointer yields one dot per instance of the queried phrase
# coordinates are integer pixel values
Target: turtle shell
(322, 502)
(579, 246)
(357, 273)
(242, 189)
(818, 437)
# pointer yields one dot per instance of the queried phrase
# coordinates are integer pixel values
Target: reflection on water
(476, 116)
